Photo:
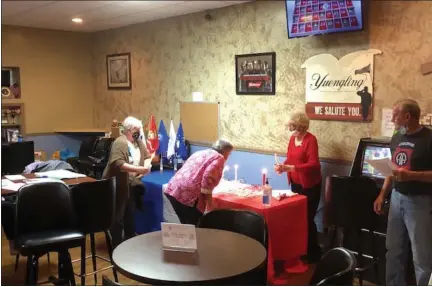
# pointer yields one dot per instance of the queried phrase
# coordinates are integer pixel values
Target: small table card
(179, 237)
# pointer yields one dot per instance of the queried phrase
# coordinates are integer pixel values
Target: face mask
(402, 130)
(135, 135)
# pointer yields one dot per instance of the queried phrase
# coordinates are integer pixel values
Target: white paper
(15, 177)
(179, 237)
(60, 174)
(387, 127)
(9, 185)
(6, 182)
(383, 165)
(282, 193)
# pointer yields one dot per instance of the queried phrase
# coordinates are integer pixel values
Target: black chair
(335, 268)
(244, 222)
(108, 282)
(8, 211)
(86, 149)
(349, 214)
(46, 222)
(95, 206)
(96, 162)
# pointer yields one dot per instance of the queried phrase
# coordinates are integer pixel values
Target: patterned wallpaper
(173, 57)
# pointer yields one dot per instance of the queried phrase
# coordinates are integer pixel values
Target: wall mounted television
(317, 17)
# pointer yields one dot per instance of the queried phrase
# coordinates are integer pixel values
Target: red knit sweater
(305, 160)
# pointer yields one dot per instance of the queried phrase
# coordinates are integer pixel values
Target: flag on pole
(172, 141)
(181, 149)
(152, 138)
(163, 140)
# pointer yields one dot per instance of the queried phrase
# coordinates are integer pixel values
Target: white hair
(132, 123)
(222, 145)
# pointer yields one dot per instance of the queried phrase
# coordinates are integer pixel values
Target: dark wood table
(69, 182)
(221, 255)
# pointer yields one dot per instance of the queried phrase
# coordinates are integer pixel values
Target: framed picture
(119, 71)
(255, 74)
(10, 83)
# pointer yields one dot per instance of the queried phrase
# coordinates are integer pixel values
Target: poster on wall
(255, 74)
(340, 90)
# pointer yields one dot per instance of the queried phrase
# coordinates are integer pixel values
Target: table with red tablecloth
(286, 222)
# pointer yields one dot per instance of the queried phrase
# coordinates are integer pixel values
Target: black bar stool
(46, 222)
(95, 206)
(353, 223)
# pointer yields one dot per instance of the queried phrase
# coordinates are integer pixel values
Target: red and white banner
(340, 89)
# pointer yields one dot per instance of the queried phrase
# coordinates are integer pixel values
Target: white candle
(235, 172)
(161, 163)
(226, 168)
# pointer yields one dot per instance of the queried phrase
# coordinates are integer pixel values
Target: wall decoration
(10, 83)
(340, 90)
(255, 74)
(119, 71)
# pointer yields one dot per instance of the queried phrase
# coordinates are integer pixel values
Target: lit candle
(235, 172)
(161, 163)
(226, 168)
(264, 172)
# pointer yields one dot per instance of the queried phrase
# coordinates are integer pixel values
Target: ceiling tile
(98, 15)
(14, 7)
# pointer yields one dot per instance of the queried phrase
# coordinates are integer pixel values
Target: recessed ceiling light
(77, 20)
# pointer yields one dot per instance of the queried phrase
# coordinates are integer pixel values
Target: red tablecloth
(286, 223)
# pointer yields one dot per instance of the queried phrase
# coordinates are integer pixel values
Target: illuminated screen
(314, 17)
(374, 152)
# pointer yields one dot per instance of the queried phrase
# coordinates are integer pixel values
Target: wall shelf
(81, 131)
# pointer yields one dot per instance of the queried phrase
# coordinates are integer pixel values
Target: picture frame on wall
(256, 74)
(10, 83)
(119, 71)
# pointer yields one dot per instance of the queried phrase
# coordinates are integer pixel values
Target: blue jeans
(409, 221)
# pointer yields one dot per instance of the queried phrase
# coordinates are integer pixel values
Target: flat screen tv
(317, 17)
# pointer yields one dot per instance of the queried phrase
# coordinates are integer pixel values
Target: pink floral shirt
(199, 175)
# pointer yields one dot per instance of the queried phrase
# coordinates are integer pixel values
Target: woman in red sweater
(304, 173)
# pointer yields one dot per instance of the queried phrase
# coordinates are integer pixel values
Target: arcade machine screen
(374, 152)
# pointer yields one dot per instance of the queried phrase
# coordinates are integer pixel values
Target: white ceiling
(98, 15)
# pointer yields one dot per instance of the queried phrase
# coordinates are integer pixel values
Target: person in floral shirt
(190, 189)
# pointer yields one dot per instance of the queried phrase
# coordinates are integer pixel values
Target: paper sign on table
(383, 165)
(179, 237)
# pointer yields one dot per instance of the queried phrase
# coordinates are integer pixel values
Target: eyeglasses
(294, 127)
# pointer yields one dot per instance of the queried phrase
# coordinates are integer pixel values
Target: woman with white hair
(126, 164)
(190, 189)
(303, 169)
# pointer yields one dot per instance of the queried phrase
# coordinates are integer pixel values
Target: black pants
(124, 225)
(186, 214)
(313, 195)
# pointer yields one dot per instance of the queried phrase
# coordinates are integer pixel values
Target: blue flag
(180, 147)
(163, 140)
